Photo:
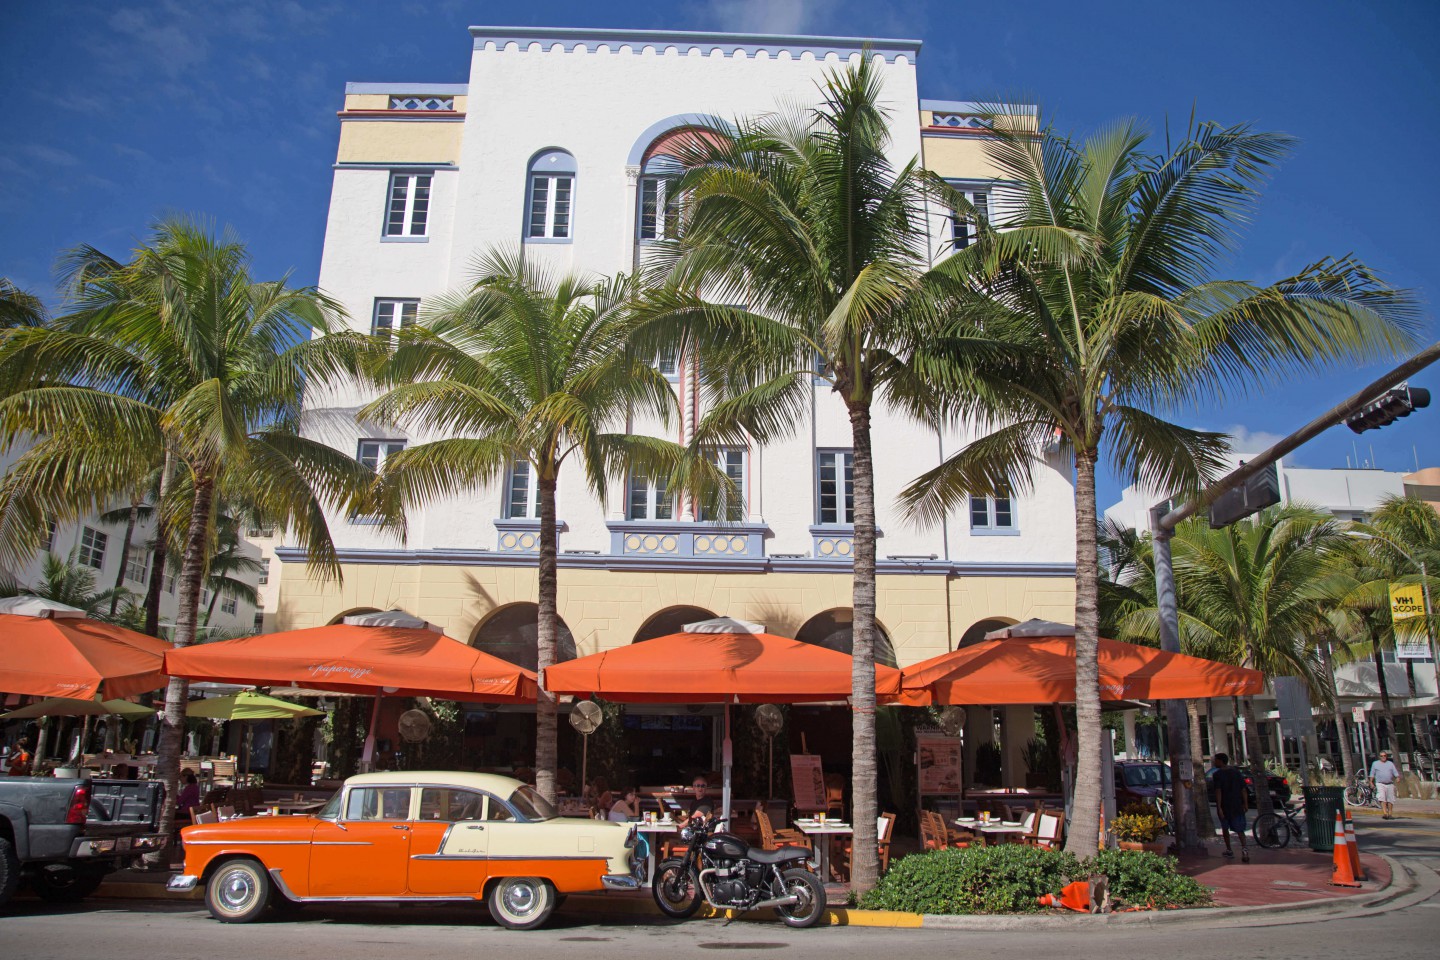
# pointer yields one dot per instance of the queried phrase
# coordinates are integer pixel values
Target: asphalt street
(143, 930)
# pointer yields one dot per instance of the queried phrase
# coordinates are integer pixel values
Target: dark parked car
(1138, 781)
(66, 835)
(1279, 787)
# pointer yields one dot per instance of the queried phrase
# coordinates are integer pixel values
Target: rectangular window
(667, 362)
(264, 571)
(260, 533)
(378, 803)
(228, 605)
(374, 453)
(962, 227)
(731, 461)
(409, 210)
(649, 499)
(259, 621)
(992, 513)
(92, 548)
(522, 500)
(167, 583)
(550, 200)
(137, 564)
(204, 598)
(392, 316)
(836, 474)
(47, 541)
(659, 208)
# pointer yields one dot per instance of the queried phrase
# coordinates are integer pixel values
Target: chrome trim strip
(467, 856)
(338, 843)
(182, 882)
(244, 843)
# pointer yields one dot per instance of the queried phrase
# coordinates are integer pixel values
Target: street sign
(1292, 700)
(1358, 715)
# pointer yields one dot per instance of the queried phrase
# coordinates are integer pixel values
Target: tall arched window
(659, 200)
(550, 210)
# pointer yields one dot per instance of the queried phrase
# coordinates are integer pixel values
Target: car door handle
(401, 826)
(473, 826)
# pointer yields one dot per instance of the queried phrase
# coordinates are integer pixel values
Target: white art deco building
(558, 141)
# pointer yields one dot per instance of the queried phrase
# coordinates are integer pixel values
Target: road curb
(835, 916)
(1368, 813)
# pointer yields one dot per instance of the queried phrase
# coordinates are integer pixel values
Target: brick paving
(1275, 877)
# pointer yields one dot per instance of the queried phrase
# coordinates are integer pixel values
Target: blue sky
(123, 111)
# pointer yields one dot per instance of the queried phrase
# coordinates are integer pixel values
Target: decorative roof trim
(382, 165)
(409, 89)
(682, 42)
(976, 106)
(406, 116)
(446, 557)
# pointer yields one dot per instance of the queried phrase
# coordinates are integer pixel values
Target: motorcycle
(727, 873)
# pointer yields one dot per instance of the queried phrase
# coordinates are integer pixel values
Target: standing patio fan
(769, 719)
(585, 716)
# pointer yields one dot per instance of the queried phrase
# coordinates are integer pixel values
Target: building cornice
(409, 89)
(683, 42)
(443, 557)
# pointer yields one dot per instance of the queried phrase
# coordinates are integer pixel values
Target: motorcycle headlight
(630, 838)
(686, 833)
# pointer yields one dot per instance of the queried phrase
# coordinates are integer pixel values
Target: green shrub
(1145, 879)
(1001, 879)
(1010, 878)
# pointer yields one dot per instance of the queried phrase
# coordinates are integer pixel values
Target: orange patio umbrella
(49, 649)
(385, 654)
(1034, 662)
(716, 661)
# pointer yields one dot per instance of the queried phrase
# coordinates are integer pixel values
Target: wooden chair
(222, 772)
(772, 839)
(834, 795)
(203, 816)
(932, 837)
(318, 771)
(884, 829)
(1049, 829)
(225, 813)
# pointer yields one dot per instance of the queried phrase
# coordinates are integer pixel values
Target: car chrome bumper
(117, 846)
(620, 881)
(181, 883)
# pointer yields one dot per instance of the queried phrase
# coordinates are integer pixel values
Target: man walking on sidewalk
(1231, 803)
(1383, 774)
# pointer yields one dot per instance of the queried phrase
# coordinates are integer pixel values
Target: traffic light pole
(1164, 520)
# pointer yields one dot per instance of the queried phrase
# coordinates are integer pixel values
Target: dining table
(999, 829)
(821, 836)
(653, 830)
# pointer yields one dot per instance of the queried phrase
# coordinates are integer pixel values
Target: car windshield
(331, 810)
(531, 805)
(1149, 775)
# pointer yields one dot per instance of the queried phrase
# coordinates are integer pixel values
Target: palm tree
(1093, 310)
(525, 367)
(801, 216)
(180, 353)
(19, 308)
(65, 581)
(1251, 596)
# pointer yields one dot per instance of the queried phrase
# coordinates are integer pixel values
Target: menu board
(808, 780)
(939, 764)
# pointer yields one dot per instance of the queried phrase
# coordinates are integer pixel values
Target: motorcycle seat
(782, 855)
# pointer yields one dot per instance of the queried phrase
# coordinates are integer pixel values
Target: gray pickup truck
(66, 835)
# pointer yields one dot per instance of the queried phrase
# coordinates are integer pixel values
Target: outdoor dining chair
(772, 839)
(1049, 829)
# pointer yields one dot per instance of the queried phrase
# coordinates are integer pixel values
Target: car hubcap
(237, 890)
(520, 899)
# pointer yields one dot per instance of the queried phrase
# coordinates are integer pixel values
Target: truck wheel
(522, 903)
(66, 883)
(238, 891)
(9, 870)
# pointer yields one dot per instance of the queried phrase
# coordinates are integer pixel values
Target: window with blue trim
(392, 316)
(649, 498)
(731, 461)
(992, 513)
(963, 230)
(522, 501)
(409, 209)
(660, 201)
(835, 482)
(549, 214)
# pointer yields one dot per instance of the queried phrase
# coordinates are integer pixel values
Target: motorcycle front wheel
(676, 892)
(809, 894)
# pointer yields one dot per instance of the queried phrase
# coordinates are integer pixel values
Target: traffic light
(1392, 404)
(1252, 496)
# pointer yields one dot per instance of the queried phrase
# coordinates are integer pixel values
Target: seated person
(189, 792)
(627, 808)
(700, 805)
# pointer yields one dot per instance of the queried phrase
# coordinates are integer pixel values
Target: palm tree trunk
(1198, 800)
(1259, 777)
(1327, 658)
(547, 631)
(1085, 820)
(1384, 693)
(172, 722)
(124, 554)
(162, 551)
(864, 776)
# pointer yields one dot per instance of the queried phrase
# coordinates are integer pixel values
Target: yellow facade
(924, 615)
(381, 101)
(959, 157)
(399, 141)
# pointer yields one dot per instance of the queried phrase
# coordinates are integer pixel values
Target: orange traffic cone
(1073, 896)
(1354, 848)
(1344, 874)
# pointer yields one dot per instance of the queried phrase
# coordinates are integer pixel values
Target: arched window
(671, 620)
(512, 632)
(835, 630)
(550, 210)
(660, 203)
(977, 630)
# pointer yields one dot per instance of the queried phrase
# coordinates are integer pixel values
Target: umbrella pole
(367, 757)
(727, 759)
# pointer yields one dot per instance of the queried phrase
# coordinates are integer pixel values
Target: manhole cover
(743, 946)
(1290, 883)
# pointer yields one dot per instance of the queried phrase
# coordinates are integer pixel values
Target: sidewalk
(1278, 877)
(1404, 807)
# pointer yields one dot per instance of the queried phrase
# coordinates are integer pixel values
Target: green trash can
(1321, 805)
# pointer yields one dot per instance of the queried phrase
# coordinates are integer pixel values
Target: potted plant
(1140, 828)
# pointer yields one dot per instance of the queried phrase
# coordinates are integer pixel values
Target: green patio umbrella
(68, 707)
(248, 705)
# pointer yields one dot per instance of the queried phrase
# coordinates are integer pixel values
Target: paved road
(159, 931)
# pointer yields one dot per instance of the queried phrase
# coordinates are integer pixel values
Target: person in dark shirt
(1231, 803)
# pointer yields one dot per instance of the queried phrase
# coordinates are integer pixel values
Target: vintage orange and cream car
(413, 836)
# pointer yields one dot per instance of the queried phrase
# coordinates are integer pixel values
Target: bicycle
(1166, 811)
(1275, 830)
(1360, 792)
